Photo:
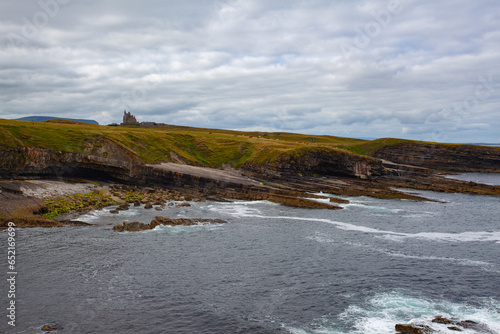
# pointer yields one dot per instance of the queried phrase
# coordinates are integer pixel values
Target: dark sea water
(270, 269)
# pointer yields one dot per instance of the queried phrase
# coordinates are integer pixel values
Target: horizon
(399, 68)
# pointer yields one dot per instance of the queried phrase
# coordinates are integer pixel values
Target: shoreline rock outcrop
(139, 226)
(453, 325)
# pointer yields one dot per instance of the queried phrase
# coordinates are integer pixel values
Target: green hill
(205, 147)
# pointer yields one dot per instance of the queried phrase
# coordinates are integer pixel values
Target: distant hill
(44, 118)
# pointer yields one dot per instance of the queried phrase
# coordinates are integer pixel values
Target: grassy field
(199, 146)
(206, 147)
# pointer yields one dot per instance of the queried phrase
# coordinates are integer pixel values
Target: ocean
(269, 269)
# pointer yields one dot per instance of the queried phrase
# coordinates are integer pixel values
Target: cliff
(447, 157)
(320, 161)
(100, 157)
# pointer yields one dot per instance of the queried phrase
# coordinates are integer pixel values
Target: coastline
(53, 203)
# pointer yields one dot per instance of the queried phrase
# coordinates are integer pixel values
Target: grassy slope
(369, 147)
(206, 147)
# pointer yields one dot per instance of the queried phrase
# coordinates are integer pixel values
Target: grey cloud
(268, 65)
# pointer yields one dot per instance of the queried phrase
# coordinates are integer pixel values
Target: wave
(380, 313)
(244, 210)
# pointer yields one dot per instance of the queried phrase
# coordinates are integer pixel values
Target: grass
(205, 147)
(198, 146)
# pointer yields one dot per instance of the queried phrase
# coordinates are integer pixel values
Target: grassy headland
(204, 147)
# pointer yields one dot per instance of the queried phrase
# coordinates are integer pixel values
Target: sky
(425, 70)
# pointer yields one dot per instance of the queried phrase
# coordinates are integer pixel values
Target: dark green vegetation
(76, 202)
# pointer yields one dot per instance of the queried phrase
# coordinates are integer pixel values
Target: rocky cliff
(460, 158)
(99, 157)
(326, 162)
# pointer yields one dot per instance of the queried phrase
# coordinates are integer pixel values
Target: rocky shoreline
(44, 185)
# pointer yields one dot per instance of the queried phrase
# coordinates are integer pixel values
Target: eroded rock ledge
(453, 325)
(138, 226)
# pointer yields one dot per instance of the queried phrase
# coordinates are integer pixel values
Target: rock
(137, 226)
(123, 207)
(52, 327)
(148, 190)
(413, 329)
(183, 204)
(454, 328)
(441, 320)
(137, 203)
(48, 328)
(114, 211)
(338, 200)
(76, 223)
(458, 326)
(478, 327)
(158, 208)
(148, 206)
(131, 227)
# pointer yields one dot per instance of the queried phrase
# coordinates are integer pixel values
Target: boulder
(123, 207)
(131, 227)
(455, 328)
(413, 329)
(147, 190)
(459, 326)
(441, 320)
(52, 327)
(148, 206)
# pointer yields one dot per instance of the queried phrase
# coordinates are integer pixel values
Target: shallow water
(270, 269)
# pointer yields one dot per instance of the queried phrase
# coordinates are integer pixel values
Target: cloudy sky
(418, 69)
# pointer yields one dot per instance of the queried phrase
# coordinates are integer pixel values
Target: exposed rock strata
(322, 162)
(461, 158)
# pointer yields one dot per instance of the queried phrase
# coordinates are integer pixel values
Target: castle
(129, 119)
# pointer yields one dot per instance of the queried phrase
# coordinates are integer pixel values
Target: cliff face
(460, 158)
(98, 157)
(323, 162)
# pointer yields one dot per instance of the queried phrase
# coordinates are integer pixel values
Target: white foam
(459, 237)
(359, 205)
(486, 266)
(183, 228)
(379, 315)
(238, 209)
(481, 236)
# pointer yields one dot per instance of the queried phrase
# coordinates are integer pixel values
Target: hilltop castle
(129, 119)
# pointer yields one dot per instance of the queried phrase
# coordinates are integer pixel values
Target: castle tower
(128, 118)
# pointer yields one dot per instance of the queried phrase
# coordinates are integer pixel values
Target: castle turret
(128, 118)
